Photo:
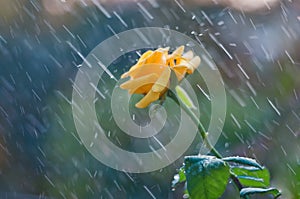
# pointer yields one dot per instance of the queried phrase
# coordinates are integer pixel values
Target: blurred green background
(41, 155)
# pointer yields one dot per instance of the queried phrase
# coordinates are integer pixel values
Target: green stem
(201, 128)
(203, 135)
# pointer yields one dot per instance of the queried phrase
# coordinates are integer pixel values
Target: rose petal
(150, 97)
(177, 53)
(145, 55)
(139, 82)
(140, 62)
(164, 50)
(195, 62)
(147, 69)
(141, 90)
(156, 58)
(180, 72)
(162, 81)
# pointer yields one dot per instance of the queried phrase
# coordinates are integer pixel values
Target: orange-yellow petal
(180, 72)
(148, 99)
(184, 64)
(139, 63)
(145, 55)
(164, 50)
(171, 62)
(162, 81)
(141, 90)
(134, 84)
(177, 53)
(156, 57)
(195, 62)
(147, 69)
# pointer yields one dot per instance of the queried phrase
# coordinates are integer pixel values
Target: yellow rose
(151, 74)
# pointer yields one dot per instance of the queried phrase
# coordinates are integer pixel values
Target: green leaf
(179, 177)
(184, 97)
(206, 176)
(248, 191)
(243, 160)
(252, 176)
